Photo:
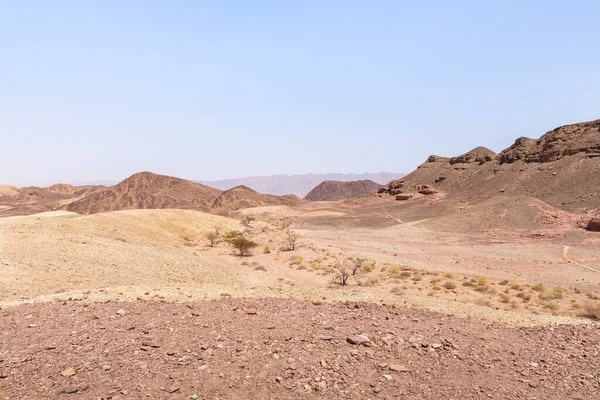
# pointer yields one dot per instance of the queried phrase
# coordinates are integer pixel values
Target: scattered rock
(69, 372)
(398, 368)
(358, 339)
(68, 389)
(593, 225)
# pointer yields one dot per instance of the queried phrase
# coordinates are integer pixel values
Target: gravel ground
(278, 349)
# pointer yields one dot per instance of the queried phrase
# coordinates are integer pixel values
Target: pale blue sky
(98, 90)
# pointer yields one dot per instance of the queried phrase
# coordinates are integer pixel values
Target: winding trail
(566, 256)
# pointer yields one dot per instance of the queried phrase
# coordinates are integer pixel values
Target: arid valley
(476, 276)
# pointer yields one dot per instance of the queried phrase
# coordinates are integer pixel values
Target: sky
(98, 90)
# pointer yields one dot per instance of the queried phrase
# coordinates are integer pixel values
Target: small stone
(68, 389)
(172, 389)
(278, 379)
(388, 377)
(194, 396)
(436, 345)
(121, 312)
(398, 368)
(251, 312)
(69, 372)
(3, 375)
(222, 375)
(358, 339)
(326, 337)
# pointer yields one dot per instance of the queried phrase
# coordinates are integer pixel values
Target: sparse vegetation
(591, 310)
(212, 238)
(285, 223)
(243, 245)
(450, 285)
(291, 240)
(397, 290)
(343, 273)
(393, 270)
(266, 249)
(538, 287)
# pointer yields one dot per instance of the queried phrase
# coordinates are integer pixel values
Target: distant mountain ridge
(299, 185)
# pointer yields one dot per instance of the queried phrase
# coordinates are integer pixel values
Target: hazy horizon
(113, 182)
(205, 91)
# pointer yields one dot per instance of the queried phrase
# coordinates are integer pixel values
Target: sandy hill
(146, 190)
(336, 190)
(298, 185)
(8, 191)
(562, 168)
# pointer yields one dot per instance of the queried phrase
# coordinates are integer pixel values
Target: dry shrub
(538, 287)
(591, 310)
(243, 246)
(212, 238)
(397, 290)
(450, 285)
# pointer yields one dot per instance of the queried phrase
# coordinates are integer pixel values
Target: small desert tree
(243, 245)
(291, 240)
(343, 273)
(356, 264)
(286, 222)
(218, 230)
(212, 238)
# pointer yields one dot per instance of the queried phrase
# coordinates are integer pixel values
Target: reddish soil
(277, 349)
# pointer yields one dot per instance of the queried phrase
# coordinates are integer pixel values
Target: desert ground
(137, 304)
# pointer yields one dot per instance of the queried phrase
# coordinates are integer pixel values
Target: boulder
(593, 225)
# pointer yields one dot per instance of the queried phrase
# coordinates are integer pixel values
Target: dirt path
(566, 256)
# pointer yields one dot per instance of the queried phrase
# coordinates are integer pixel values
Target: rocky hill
(243, 197)
(33, 199)
(298, 185)
(336, 190)
(146, 190)
(562, 168)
